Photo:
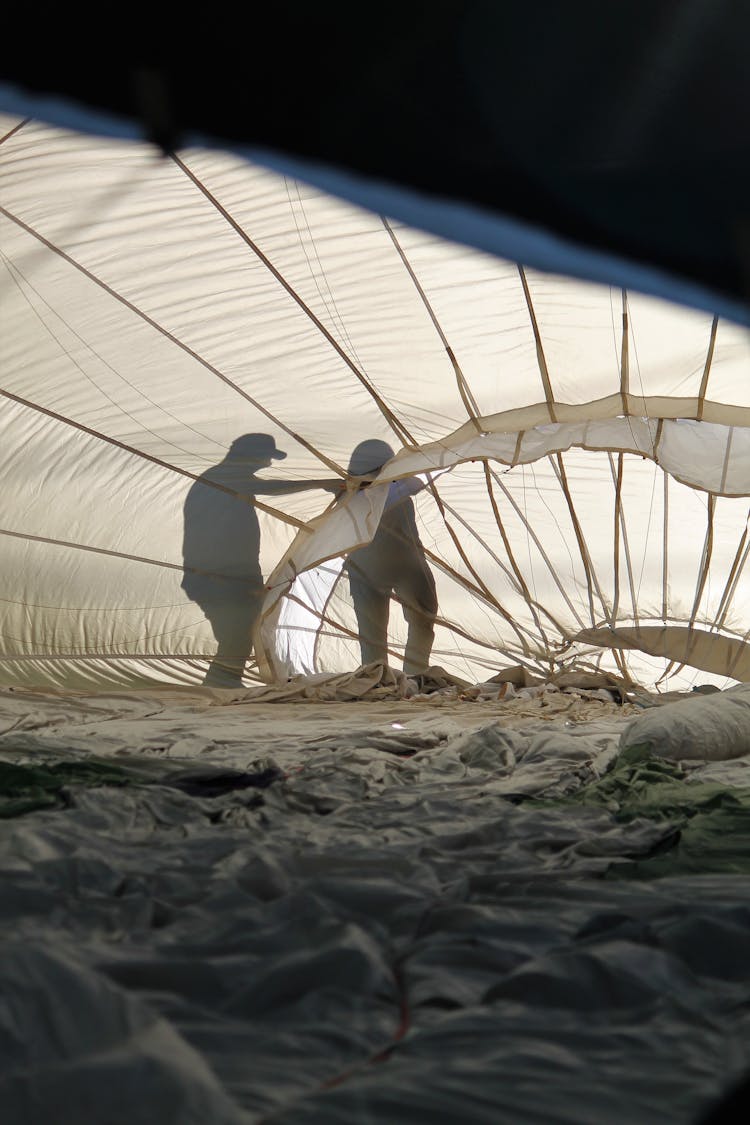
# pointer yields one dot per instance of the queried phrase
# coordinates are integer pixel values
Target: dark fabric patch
(24, 788)
(213, 781)
(711, 822)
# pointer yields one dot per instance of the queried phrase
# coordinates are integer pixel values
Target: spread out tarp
(587, 450)
(402, 908)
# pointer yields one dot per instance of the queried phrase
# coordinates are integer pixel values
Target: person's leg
(416, 591)
(371, 608)
(233, 632)
(232, 614)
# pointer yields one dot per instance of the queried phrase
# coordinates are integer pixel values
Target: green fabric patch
(25, 788)
(711, 822)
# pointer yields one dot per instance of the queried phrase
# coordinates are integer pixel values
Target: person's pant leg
(416, 591)
(371, 608)
(232, 609)
(233, 628)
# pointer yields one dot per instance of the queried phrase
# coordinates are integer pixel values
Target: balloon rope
(171, 337)
(398, 427)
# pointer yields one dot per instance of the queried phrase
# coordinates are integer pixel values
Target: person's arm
(404, 489)
(281, 487)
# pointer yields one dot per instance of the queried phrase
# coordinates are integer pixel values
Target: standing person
(221, 548)
(392, 563)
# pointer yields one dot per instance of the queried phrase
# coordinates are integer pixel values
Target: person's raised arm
(407, 487)
(264, 487)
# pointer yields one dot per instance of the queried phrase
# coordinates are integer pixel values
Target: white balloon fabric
(593, 445)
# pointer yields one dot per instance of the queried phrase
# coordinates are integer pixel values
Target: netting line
(738, 654)
(14, 270)
(396, 425)
(477, 589)
(464, 390)
(107, 654)
(532, 603)
(706, 369)
(513, 574)
(329, 301)
(474, 412)
(557, 463)
(15, 129)
(701, 579)
(705, 564)
(735, 573)
(624, 360)
(625, 355)
(275, 512)
(69, 544)
(171, 337)
(443, 622)
(481, 587)
(540, 356)
(588, 566)
(91, 210)
(664, 545)
(537, 543)
(621, 528)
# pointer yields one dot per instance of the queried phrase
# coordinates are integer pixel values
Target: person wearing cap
(392, 563)
(221, 547)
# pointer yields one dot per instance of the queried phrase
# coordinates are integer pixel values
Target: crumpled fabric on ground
(426, 915)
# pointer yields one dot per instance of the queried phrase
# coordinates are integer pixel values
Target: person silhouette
(393, 562)
(221, 548)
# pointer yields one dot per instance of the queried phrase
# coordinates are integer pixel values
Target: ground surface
(394, 911)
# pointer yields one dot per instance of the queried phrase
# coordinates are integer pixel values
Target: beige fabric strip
(727, 453)
(665, 550)
(535, 539)
(736, 662)
(180, 657)
(625, 355)
(541, 359)
(732, 582)
(522, 584)
(703, 570)
(487, 594)
(735, 573)
(518, 629)
(617, 479)
(470, 403)
(591, 579)
(624, 532)
(95, 550)
(707, 369)
(517, 450)
(711, 652)
(14, 130)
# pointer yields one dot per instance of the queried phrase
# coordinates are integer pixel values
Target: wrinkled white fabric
(248, 957)
(596, 444)
(705, 727)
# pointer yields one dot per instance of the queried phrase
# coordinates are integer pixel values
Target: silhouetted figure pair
(392, 563)
(221, 548)
(221, 557)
